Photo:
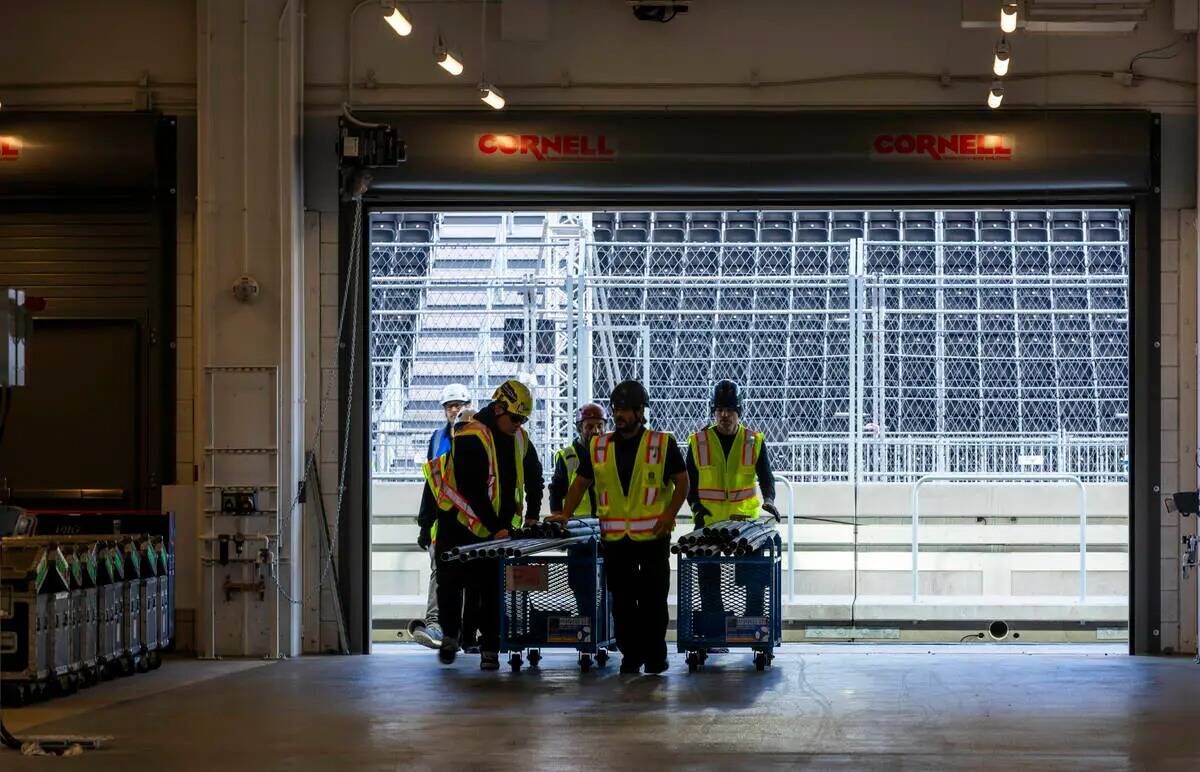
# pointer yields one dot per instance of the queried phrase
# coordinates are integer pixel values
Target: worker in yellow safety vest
(456, 403)
(727, 466)
(591, 420)
(489, 479)
(640, 482)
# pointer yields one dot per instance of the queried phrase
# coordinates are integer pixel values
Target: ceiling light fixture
(491, 96)
(1001, 59)
(398, 20)
(448, 61)
(996, 95)
(1008, 17)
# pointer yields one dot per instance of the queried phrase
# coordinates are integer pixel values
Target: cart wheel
(535, 657)
(515, 663)
(602, 658)
(703, 655)
(585, 662)
(760, 660)
(693, 661)
(155, 660)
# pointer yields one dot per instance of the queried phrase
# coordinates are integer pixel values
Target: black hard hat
(726, 394)
(629, 394)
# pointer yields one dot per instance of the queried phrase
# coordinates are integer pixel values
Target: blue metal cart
(556, 602)
(731, 602)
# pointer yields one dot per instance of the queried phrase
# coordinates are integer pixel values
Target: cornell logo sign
(944, 147)
(559, 147)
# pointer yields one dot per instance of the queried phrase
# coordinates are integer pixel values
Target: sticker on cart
(527, 578)
(746, 630)
(569, 630)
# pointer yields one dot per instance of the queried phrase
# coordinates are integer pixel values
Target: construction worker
(490, 474)
(455, 400)
(640, 482)
(725, 460)
(590, 421)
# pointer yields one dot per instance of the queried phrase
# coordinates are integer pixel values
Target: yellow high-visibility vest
(570, 458)
(633, 514)
(728, 485)
(450, 495)
(434, 470)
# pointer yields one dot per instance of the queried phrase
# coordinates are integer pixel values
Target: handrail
(790, 540)
(993, 477)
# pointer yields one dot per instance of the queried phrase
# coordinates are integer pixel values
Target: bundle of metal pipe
(509, 548)
(579, 526)
(728, 537)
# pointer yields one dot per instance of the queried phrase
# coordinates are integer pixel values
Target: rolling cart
(555, 602)
(744, 610)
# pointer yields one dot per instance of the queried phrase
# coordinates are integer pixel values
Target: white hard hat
(455, 392)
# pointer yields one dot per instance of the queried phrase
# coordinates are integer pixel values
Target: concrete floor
(847, 706)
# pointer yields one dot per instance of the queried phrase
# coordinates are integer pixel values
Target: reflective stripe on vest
(454, 498)
(727, 483)
(633, 513)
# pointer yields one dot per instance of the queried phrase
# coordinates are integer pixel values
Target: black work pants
(458, 581)
(708, 576)
(639, 578)
(468, 592)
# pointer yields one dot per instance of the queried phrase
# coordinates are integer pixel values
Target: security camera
(661, 11)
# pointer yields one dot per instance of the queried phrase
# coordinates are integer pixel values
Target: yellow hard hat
(514, 397)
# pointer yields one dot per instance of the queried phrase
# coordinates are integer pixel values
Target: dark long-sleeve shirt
(762, 469)
(626, 450)
(471, 470)
(559, 484)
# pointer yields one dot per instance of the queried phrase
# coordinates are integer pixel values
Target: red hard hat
(590, 411)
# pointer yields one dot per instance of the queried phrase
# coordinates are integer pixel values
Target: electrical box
(14, 322)
(239, 502)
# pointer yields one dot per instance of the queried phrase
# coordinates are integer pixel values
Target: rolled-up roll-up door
(87, 208)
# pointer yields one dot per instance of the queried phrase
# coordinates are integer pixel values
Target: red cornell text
(941, 147)
(576, 147)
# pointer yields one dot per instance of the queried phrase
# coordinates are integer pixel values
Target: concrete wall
(82, 55)
(987, 551)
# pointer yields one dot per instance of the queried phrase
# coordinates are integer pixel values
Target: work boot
(448, 651)
(423, 634)
(489, 660)
(656, 667)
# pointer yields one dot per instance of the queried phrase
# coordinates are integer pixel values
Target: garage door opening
(946, 391)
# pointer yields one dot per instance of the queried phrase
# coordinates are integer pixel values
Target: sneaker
(435, 632)
(423, 634)
(472, 649)
(656, 668)
(448, 651)
(489, 660)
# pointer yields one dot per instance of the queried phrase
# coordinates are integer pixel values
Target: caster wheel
(693, 661)
(760, 661)
(535, 657)
(515, 663)
(602, 658)
(155, 660)
(703, 655)
(63, 684)
(585, 662)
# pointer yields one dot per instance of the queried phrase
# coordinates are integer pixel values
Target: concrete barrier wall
(1001, 550)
